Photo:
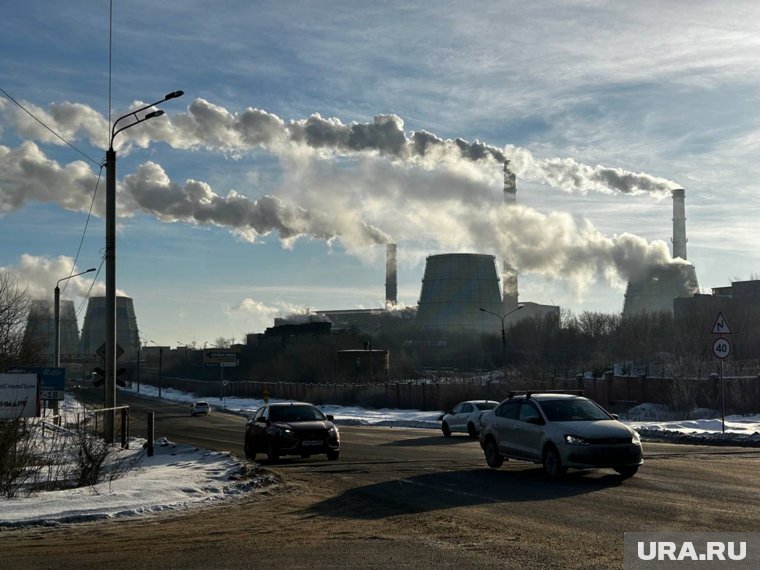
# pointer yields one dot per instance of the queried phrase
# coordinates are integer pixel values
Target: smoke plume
(439, 193)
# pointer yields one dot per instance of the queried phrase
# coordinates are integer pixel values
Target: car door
(504, 419)
(259, 429)
(528, 431)
(463, 415)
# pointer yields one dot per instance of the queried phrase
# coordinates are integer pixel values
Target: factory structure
(461, 292)
(662, 284)
(40, 330)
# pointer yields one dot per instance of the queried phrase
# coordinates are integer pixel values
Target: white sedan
(465, 417)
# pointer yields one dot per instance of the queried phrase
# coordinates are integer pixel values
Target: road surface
(408, 498)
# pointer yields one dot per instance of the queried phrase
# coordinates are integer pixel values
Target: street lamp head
(174, 95)
(90, 270)
(157, 113)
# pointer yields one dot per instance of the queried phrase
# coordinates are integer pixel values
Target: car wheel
(273, 454)
(493, 458)
(627, 472)
(472, 431)
(445, 429)
(249, 453)
(333, 455)
(553, 463)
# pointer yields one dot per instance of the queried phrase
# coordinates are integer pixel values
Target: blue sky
(668, 91)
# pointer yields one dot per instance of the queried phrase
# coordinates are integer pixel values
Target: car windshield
(573, 409)
(295, 414)
(487, 405)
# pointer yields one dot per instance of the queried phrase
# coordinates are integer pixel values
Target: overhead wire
(94, 194)
(28, 112)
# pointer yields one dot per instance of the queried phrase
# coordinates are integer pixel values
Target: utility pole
(109, 400)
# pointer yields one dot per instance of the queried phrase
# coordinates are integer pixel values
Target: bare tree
(14, 310)
(222, 342)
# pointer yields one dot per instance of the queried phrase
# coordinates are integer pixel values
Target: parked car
(200, 407)
(291, 428)
(560, 431)
(465, 417)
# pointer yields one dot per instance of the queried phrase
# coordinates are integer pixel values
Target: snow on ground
(180, 477)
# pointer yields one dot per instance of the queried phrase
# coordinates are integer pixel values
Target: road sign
(102, 351)
(721, 325)
(220, 358)
(721, 348)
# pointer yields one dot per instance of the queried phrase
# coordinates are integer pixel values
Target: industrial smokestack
(510, 185)
(509, 273)
(391, 278)
(679, 224)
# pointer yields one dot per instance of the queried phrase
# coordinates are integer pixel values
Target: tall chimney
(509, 273)
(510, 185)
(391, 278)
(679, 224)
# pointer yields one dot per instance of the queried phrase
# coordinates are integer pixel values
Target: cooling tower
(40, 329)
(454, 288)
(391, 276)
(509, 273)
(94, 327)
(659, 288)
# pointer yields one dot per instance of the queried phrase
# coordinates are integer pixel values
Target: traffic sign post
(722, 349)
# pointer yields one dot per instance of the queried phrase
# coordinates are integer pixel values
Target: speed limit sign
(722, 348)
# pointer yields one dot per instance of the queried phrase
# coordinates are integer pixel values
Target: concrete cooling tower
(40, 329)
(454, 288)
(662, 284)
(94, 327)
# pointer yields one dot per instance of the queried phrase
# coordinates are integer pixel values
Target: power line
(48, 128)
(86, 223)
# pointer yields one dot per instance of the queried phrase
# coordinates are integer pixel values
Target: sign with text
(19, 396)
(220, 357)
(52, 380)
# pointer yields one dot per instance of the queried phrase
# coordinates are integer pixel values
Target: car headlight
(285, 432)
(332, 431)
(635, 437)
(575, 440)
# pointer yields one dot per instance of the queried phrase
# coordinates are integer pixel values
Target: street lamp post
(160, 366)
(57, 309)
(503, 334)
(110, 255)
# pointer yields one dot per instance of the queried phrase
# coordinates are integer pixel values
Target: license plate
(312, 442)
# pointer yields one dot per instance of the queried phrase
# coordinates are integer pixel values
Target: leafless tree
(14, 310)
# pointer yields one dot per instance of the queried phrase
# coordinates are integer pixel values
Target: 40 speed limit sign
(722, 348)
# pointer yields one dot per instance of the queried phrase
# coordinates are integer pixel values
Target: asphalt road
(409, 498)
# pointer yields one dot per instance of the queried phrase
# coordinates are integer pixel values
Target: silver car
(465, 417)
(560, 431)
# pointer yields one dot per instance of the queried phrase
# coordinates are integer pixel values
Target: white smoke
(39, 275)
(419, 188)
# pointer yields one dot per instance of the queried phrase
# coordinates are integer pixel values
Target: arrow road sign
(721, 325)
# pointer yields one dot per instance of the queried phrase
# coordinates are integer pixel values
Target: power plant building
(663, 284)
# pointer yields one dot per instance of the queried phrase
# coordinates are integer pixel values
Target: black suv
(291, 428)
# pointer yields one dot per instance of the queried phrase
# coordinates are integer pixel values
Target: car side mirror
(330, 418)
(615, 416)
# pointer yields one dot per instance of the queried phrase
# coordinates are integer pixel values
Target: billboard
(52, 380)
(19, 396)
